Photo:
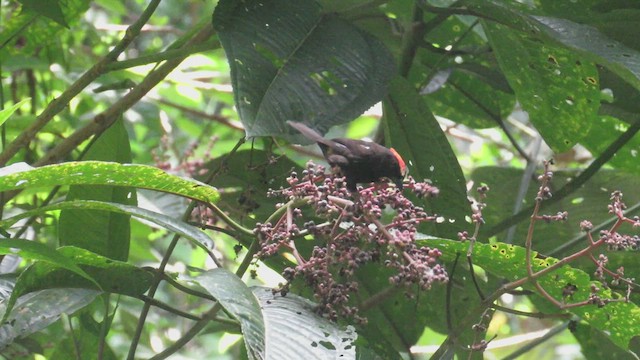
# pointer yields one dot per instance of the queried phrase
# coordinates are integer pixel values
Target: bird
(358, 161)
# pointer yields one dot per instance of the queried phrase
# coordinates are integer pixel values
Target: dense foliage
(155, 202)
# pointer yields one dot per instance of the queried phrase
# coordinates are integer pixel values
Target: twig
(105, 119)
(574, 185)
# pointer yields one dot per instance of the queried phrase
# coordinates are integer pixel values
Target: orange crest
(403, 166)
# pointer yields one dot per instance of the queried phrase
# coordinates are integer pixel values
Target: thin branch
(162, 56)
(574, 185)
(105, 119)
(167, 307)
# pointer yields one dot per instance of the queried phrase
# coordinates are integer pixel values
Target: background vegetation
(108, 260)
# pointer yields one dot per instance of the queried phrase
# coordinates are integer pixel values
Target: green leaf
(34, 312)
(107, 275)
(605, 131)
(46, 8)
(36, 32)
(595, 46)
(275, 326)
(468, 96)
(6, 113)
(192, 233)
(557, 88)
(289, 62)
(239, 301)
(414, 132)
(596, 346)
(106, 233)
(111, 174)
(295, 331)
(33, 250)
(618, 319)
(587, 203)
(590, 43)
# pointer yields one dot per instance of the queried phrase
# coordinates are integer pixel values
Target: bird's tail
(308, 132)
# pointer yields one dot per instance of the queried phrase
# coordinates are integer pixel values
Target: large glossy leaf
(276, 327)
(238, 300)
(557, 88)
(33, 312)
(413, 131)
(111, 174)
(289, 62)
(618, 319)
(292, 320)
(106, 233)
(110, 275)
(619, 58)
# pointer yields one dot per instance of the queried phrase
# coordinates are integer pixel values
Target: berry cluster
(379, 226)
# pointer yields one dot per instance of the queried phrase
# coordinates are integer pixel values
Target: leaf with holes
(618, 319)
(558, 89)
(111, 174)
(289, 62)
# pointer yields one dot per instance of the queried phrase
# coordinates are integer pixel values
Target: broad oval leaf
(289, 62)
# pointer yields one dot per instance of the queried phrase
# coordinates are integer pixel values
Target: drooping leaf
(586, 40)
(289, 62)
(106, 233)
(238, 300)
(108, 275)
(34, 312)
(594, 45)
(191, 233)
(33, 250)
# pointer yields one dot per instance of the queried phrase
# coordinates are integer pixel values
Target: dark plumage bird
(358, 161)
